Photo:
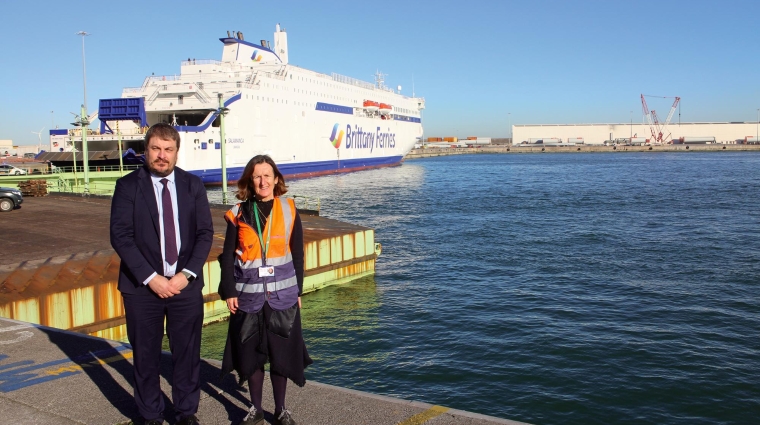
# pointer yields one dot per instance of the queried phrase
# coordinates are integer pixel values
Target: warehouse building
(597, 134)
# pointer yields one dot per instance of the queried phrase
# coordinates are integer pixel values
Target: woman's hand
(232, 304)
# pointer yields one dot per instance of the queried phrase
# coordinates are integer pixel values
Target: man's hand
(178, 282)
(232, 304)
(162, 287)
(299, 302)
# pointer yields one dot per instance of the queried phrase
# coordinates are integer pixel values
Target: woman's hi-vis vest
(250, 286)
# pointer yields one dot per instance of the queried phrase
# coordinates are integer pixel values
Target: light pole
(84, 68)
(222, 112)
(121, 155)
(509, 124)
(84, 121)
(757, 127)
(631, 125)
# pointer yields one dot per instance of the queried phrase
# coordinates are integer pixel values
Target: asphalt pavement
(52, 376)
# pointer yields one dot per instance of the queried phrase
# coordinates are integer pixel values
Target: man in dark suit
(161, 228)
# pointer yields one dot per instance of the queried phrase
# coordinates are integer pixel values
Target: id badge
(266, 271)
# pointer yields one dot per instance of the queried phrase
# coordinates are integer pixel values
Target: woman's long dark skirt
(253, 339)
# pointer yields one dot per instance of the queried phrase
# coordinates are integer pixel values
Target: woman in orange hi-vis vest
(262, 281)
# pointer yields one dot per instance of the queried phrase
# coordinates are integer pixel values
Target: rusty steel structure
(71, 282)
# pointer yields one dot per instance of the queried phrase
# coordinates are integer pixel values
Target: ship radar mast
(380, 80)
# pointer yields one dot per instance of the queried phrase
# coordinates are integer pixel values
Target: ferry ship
(310, 123)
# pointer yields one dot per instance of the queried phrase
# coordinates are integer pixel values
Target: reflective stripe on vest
(249, 254)
(253, 288)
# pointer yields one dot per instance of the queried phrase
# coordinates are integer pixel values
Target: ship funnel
(281, 44)
(240, 34)
(228, 34)
(263, 43)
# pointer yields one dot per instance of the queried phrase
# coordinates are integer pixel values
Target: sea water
(608, 288)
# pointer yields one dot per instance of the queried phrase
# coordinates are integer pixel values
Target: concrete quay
(57, 267)
(49, 375)
(515, 149)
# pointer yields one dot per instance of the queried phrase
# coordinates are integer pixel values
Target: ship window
(180, 99)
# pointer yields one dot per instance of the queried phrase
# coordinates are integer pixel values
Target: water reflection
(341, 326)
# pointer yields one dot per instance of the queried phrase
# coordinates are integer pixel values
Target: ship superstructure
(310, 123)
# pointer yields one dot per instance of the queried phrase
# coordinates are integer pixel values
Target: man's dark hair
(161, 131)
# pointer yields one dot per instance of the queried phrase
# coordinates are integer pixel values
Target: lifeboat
(385, 109)
(371, 105)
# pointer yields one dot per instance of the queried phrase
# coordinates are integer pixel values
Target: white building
(723, 132)
(6, 145)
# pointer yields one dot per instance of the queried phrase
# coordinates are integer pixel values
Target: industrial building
(597, 134)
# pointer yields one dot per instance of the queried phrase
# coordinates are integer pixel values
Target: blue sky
(479, 64)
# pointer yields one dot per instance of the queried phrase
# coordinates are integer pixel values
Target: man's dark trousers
(145, 313)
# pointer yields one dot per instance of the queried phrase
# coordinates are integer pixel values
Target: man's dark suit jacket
(135, 228)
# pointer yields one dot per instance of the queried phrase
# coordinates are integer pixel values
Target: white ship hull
(309, 123)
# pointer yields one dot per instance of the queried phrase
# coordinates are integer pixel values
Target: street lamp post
(631, 125)
(222, 112)
(757, 127)
(83, 119)
(85, 156)
(84, 68)
(121, 155)
(509, 124)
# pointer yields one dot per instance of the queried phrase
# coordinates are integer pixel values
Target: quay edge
(514, 149)
(54, 376)
(60, 270)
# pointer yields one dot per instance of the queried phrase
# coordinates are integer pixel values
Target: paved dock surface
(61, 224)
(53, 376)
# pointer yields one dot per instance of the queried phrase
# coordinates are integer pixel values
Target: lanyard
(265, 248)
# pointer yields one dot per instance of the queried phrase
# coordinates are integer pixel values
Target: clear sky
(479, 64)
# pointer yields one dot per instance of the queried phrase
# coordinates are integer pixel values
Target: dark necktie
(170, 235)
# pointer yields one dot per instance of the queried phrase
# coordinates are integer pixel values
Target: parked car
(8, 170)
(10, 198)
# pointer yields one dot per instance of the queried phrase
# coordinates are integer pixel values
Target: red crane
(657, 129)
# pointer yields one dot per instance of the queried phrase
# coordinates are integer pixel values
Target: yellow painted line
(97, 362)
(425, 416)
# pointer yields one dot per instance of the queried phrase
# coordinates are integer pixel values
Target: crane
(656, 129)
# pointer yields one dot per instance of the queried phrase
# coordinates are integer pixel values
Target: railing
(201, 62)
(162, 78)
(302, 202)
(132, 90)
(307, 203)
(92, 169)
(353, 81)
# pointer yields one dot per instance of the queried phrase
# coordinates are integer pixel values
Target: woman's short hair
(245, 184)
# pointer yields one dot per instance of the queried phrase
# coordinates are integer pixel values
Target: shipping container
(696, 140)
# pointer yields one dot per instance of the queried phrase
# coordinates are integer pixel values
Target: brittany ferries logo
(336, 137)
(256, 56)
(358, 138)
